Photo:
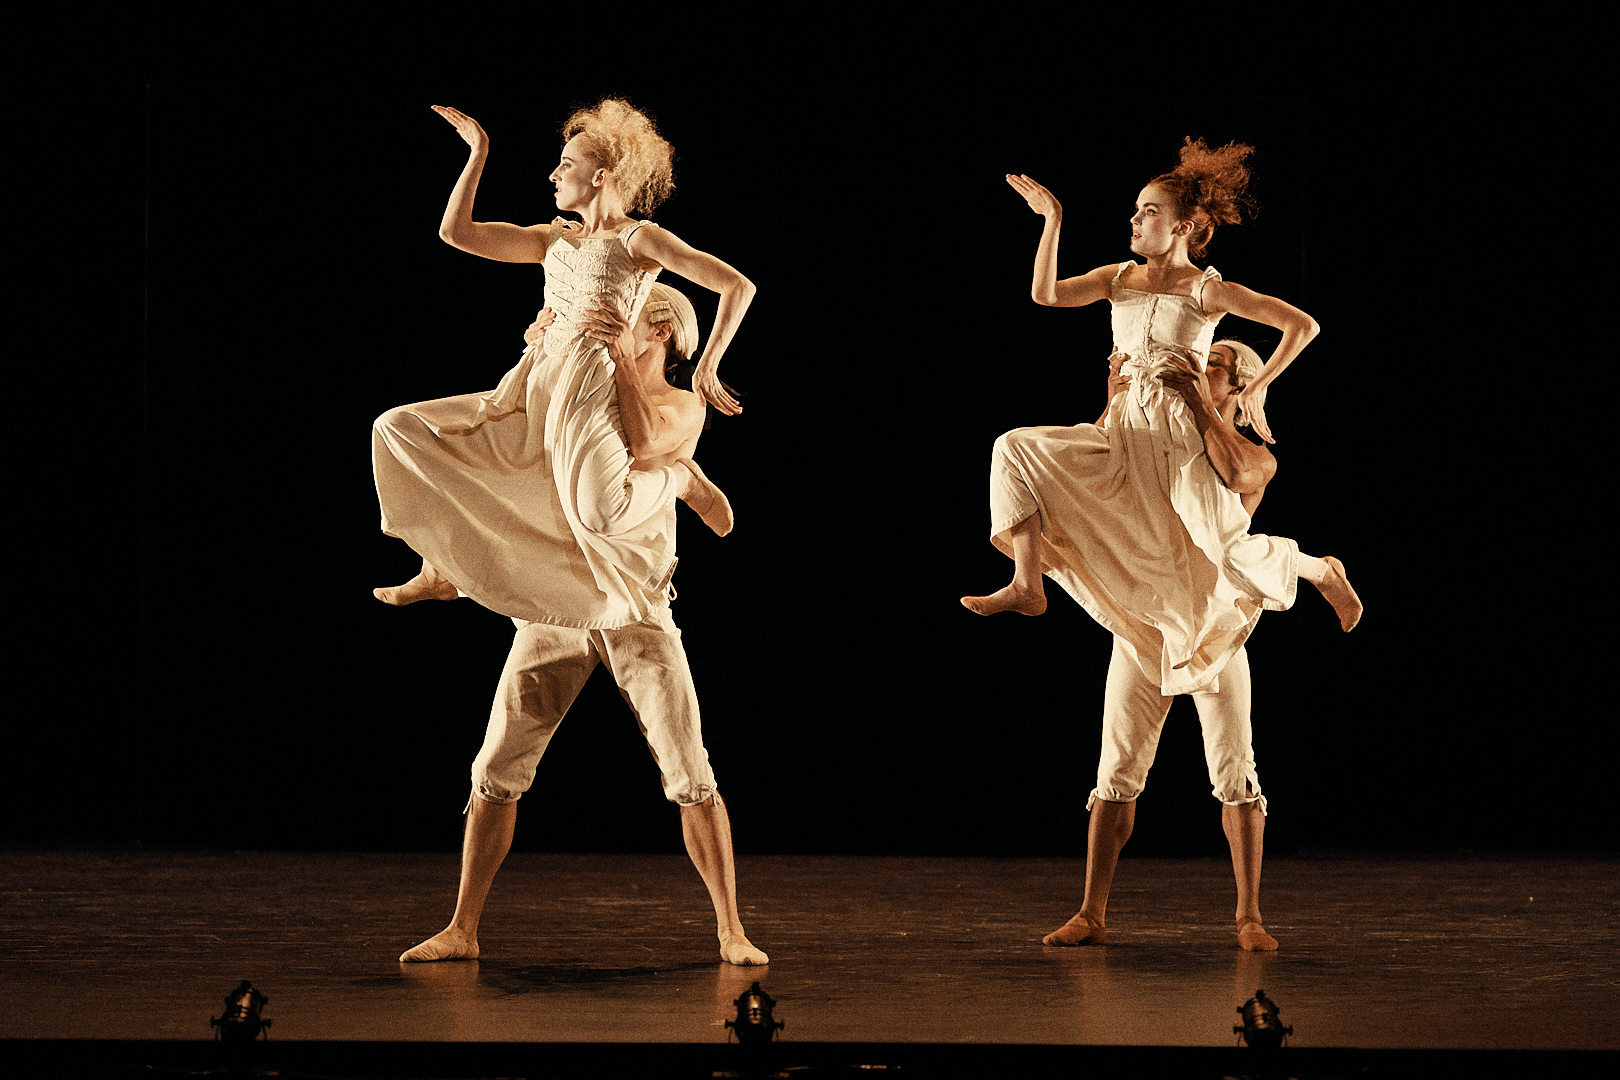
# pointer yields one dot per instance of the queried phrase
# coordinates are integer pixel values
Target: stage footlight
(1262, 1026)
(241, 1021)
(754, 1023)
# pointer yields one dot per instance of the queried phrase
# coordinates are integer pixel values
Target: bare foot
(735, 948)
(708, 500)
(418, 588)
(448, 944)
(1079, 930)
(1012, 598)
(1253, 937)
(1336, 588)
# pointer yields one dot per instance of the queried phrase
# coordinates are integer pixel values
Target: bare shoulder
(686, 408)
(1216, 290)
(1222, 296)
(1104, 274)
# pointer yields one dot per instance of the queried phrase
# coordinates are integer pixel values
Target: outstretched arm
(496, 240)
(1046, 289)
(1298, 329)
(736, 293)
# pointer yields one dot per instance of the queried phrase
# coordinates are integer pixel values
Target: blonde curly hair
(624, 140)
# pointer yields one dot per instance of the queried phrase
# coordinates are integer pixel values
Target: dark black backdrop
(253, 274)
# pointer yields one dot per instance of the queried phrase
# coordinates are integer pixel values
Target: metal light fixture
(754, 1023)
(241, 1022)
(1262, 1027)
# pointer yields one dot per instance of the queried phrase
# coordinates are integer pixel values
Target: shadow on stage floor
(926, 966)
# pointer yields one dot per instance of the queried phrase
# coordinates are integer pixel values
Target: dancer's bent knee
(624, 501)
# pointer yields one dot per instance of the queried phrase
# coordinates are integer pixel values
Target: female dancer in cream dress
(454, 475)
(1127, 514)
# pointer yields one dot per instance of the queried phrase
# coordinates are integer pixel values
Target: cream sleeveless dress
(523, 497)
(1135, 523)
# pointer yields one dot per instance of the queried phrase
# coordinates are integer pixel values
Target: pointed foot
(418, 588)
(1079, 930)
(737, 949)
(711, 504)
(1336, 587)
(445, 945)
(1252, 937)
(1011, 598)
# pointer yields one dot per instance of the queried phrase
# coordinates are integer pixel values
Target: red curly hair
(1208, 188)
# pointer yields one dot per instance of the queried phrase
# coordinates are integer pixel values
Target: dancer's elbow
(1253, 476)
(1245, 482)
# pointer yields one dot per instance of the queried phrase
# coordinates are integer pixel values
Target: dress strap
(1124, 266)
(627, 233)
(559, 226)
(1210, 274)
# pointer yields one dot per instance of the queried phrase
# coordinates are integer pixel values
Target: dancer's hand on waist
(1182, 375)
(1116, 380)
(605, 323)
(537, 329)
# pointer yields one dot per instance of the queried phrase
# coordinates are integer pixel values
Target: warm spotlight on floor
(1262, 1026)
(241, 1021)
(754, 1023)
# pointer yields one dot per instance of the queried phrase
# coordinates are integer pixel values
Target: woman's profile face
(1153, 225)
(573, 175)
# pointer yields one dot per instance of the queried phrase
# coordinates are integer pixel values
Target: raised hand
(465, 126)
(1040, 200)
(537, 329)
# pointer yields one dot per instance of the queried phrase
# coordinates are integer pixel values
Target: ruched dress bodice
(582, 271)
(1148, 325)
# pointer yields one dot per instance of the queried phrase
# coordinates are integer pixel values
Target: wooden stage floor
(1377, 953)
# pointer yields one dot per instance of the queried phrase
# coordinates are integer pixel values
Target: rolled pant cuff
(1261, 799)
(1109, 796)
(488, 796)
